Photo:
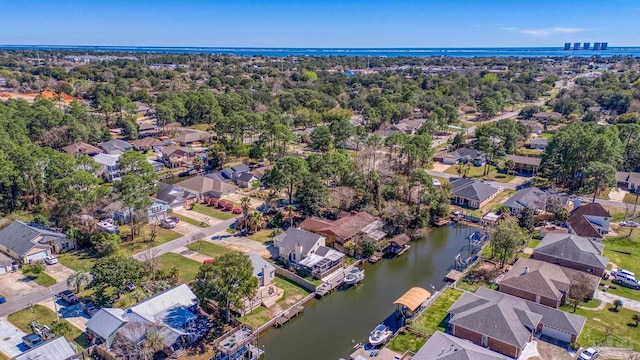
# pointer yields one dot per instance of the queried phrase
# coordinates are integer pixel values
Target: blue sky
(315, 23)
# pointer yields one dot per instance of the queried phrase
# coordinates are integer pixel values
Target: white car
(589, 354)
(50, 260)
(629, 223)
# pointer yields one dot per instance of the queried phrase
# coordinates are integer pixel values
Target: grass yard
(620, 322)
(188, 268)
(433, 318)
(214, 213)
(617, 216)
(262, 236)
(42, 279)
(77, 260)
(406, 342)
(533, 243)
(292, 294)
(190, 220)
(629, 245)
(546, 135)
(630, 198)
(463, 285)
(256, 318)
(209, 249)
(44, 316)
(478, 172)
(139, 244)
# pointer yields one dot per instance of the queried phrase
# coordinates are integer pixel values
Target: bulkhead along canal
(330, 327)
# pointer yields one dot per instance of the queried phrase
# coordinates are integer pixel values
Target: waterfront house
(262, 270)
(27, 242)
(80, 148)
(308, 251)
(464, 156)
(538, 144)
(173, 157)
(628, 180)
(505, 323)
(203, 186)
(148, 143)
(525, 164)
(175, 196)
(397, 245)
(543, 282)
(443, 346)
(192, 137)
(572, 251)
(174, 311)
(56, 349)
(110, 168)
(532, 198)
(472, 193)
(589, 220)
(342, 231)
(115, 146)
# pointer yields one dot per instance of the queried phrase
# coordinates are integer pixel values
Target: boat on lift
(380, 335)
(354, 276)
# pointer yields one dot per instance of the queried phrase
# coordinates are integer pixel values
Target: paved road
(610, 298)
(508, 186)
(612, 203)
(21, 302)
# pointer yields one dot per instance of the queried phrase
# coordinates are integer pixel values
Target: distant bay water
(364, 52)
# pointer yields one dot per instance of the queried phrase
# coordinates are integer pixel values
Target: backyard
(188, 268)
(292, 294)
(213, 212)
(44, 316)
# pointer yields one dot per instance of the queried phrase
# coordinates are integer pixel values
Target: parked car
(89, 309)
(130, 287)
(69, 297)
(50, 260)
(209, 261)
(589, 354)
(32, 340)
(629, 223)
(175, 219)
(166, 224)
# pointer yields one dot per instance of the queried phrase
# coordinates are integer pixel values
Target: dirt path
(193, 255)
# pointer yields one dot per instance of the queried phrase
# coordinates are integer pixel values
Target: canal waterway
(330, 326)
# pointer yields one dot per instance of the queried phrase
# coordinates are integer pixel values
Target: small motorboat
(354, 277)
(380, 335)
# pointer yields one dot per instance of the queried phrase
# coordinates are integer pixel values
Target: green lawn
(213, 212)
(629, 245)
(188, 268)
(42, 279)
(533, 243)
(463, 285)
(478, 172)
(256, 318)
(78, 260)
(630, 198)
(433, 318)
(620, 290)
(618, 216)
(209, 249)
(139, 244)
(44, 316)
(292, 294)
(529, 152)
(619, 322)
(262, 236)
(191, 221)
(546, 135)
(406, 342)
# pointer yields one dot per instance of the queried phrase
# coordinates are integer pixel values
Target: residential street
(21, 302)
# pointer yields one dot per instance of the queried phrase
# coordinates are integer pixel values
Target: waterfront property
(472, 193)
(572, 251)
(412, 300)
(240, 344)
(173, 157)
(589, 220)
(27, 242)
(115, 147)
(398, 245)
(110, 168)
(532, 198)
(544, 283)
(341, 232)
(262, 270)
(443, 346)
(80, 148)
(505, 323)
(308, 251)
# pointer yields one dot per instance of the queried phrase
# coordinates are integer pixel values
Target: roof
(190, 135)
(81, 148)
(581, 225)
(241, 168)
(56, 349)
(527, 160)
(148, 141)
(508, 318)
(628, 177)
(203, 184)
(539, 141)
(170, 193)
(547, 115)
(400, 240)
(259, 264)
(532, 198)
(175, 297)
(246, 176)
(20, 237)
(322, 255)
(472, 189)
(574, 248)
(169, 150)
(543, 278)
(259, 172)
(292, 237)
(106, 159)
(348, 226)
(413, 298)
(106, 321)
(315, 224)
(443, 346)
(465, 153)
(534, 125)
(5, 260)
(115, 145)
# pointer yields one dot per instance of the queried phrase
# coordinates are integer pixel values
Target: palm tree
(244, 203)
(77, 279)
(510, 165)
(617, 303)
(465, 172)
(255, 220)
(459, 168)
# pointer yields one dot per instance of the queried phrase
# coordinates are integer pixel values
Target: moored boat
(354, 277)
(380, 335)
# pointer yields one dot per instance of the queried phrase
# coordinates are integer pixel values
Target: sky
(320, 23)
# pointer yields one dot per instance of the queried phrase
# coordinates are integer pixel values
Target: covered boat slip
(413, 299)
(398, 245)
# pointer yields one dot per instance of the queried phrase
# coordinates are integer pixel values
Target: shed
(413, 298)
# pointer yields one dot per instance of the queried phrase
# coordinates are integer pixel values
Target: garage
(5, 263)
(39, 255)
(556, 334)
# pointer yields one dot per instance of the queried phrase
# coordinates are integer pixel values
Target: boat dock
(328, 286)
(288, 315)
(453, 275)
(375, 257)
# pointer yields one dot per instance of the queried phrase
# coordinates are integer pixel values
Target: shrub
(228, 206)
(213, 202)
(236, 211)
(34, 268)
(574, 346)
(222, 204)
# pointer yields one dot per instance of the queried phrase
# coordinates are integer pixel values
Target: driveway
(184, 228)
(610, 298)
(73, 314)
(193, 255)
(617, 194)
(10, 339)
(239, 243)
(440, 167)
(16, 284)
(59, 272)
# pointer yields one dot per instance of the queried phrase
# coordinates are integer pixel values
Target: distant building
(567, 46)
(538, 144)
(464, 156)
(586, 46)
(308, 251)
(80, 148)
(116, 146)
(628, 180)
(576, 46)
(596, 46)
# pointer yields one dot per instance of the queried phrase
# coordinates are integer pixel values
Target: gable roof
(543, 278)
(581, 225)
(203, 184)
(115, 145)
(170, 150)
(315, 224)
(259, 264)
(170, 193)
(81, 148)
(179, 296)
(574, 248)
(526, 160)
(472, 189)
(106, 159)
(348, 226)
(148, 141)
(56, 349)
(20, 237)
(190, 135)
(508, 318)
(443, 346)
(539, 141)
(465, 153)
(628, 177)
(247, 176)
(292, 236)
(547, 115)
(241, 168)
(107, 321)
(532, 198)
(533, 125)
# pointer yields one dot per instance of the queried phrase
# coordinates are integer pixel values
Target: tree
(77, 279)
(138, 340)
(198, 164)
(321, 139)
(105, 243)
(287, 173)
(617, 303)
(117, 272)
(597, 176)
(61, 327)
(525, 219)
(507, 238)
(312, 196)
(229, 281)
(255, 220)
(244, 204)
(579, 289)
(137, 183)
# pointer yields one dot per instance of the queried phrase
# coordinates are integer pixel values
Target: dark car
(32, 340)
(69, 297)
(89, 309)
(130, 287)
(174, 219)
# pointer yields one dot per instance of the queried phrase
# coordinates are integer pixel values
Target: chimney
(298, 252)
(576, 203)
(526, 270)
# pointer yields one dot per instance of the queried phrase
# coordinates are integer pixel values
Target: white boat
(354, 277)
(379, 335)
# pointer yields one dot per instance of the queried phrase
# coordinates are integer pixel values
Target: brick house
(173, 157)
(589, 220)
(340, 232)
(572, 251)
(472, 193)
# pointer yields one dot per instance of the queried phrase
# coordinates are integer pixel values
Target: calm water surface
(326, 329)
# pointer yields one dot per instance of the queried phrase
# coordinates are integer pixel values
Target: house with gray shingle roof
(538, 143)
(464, 155)
(532, 198)
(28, 242)
(472, 193)
(543, 282)
(294, 244)
(441, 346)
(262, 269)
(505, 323)
(115, 146)
(572, 251)
(525, 164)
(56, 349)
(628, 180)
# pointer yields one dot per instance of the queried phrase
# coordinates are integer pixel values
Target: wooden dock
(442, 222)
(453, 275)
(288, 315)
(330, 285)
(375, 257)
